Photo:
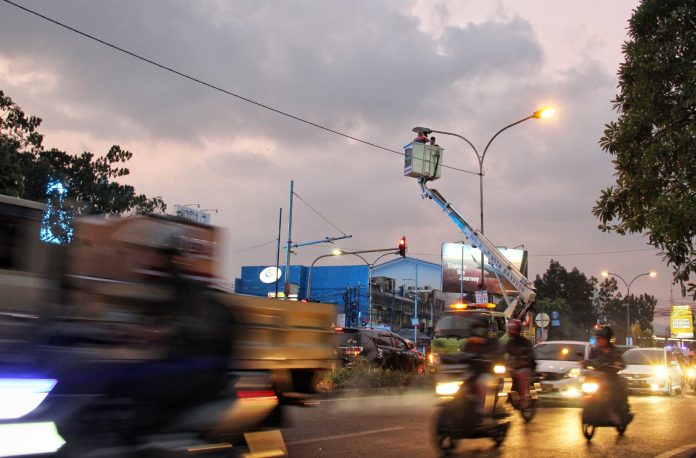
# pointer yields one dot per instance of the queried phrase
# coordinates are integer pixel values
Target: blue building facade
(395, 285)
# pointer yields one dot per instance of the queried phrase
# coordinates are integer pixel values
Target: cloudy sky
(369, 69)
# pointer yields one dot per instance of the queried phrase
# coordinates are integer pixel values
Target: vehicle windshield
(559, 351)
(454, 324)
(645, 357)
(348, 338)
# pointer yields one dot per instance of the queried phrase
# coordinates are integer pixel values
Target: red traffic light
(402, 246)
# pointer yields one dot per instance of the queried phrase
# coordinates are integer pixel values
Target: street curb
(371, 392)
(687, 451)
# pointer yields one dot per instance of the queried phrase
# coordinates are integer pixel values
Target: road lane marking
(345, 436)
(387, 397)
(677, 451)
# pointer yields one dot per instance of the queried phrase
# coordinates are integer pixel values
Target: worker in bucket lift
(421, 138)
(432, 141)
(520, 361)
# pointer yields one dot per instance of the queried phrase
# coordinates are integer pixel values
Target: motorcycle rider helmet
(604, 332)
(514, 327)
(479, 325)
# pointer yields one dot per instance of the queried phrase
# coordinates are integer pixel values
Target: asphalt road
(401, 426)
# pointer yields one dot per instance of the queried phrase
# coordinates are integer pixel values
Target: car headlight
(433, 358)
(19, 396)
(448, 388)
(498, 369)
(574, 372)
(590, 387)
(691, 372)
(660, 371)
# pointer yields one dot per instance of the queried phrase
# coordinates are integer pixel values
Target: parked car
(625, 348)
(423, 339)
(559, 367)
(379, 347)
(652, 370)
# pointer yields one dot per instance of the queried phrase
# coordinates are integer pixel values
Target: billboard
(461, 269)
(198, 216)
(681, 322)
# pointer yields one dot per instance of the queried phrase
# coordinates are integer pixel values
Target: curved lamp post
(542, 113)
(606, 274)
(354, 253)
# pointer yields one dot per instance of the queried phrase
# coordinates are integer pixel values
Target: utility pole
(280, 220)
(286, 286)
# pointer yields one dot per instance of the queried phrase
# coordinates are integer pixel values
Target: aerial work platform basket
(423, 160)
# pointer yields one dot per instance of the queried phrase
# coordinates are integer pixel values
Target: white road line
(677, 451)
(344, 436)
(388, 396)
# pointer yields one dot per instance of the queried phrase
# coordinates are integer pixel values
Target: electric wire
(217, 88)
(317, 212)
(587, 253)
(584, 253)
(254, 247)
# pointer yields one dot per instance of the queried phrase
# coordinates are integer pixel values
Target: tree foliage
(612, 309)
(653, 142)
(582, 302)
(26, 168)
(572, 294)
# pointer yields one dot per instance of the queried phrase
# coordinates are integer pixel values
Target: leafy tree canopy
(616, 310)
(26, 167)
(571, 291)
(582, 302)
(653, 142)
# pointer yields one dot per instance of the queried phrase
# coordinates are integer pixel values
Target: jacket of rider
(484, 351)
(520, 353)
(606, 359)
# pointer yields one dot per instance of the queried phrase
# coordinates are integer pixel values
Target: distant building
(395, 285)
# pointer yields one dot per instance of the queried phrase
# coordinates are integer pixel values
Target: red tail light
(354, 351)
(256, 394)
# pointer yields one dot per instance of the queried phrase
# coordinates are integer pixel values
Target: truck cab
(453, 329)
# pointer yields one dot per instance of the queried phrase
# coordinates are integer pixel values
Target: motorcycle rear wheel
(499, 437)
(529, 412)
(445, 428)
(588, 431)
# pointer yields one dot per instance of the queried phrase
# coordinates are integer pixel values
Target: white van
(559, 365)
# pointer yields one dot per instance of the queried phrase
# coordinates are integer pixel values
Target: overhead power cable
(217, 88)
(254, 247)
(320, 215)
(584, 253)
(592, 253)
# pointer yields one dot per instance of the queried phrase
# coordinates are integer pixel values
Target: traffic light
(402, 246)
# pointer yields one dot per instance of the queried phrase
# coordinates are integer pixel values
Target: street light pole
(369, 276)
(369, 271)
(309, 275)
(606, 274)
(542, 113)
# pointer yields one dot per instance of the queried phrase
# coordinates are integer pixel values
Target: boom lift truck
(424, 162)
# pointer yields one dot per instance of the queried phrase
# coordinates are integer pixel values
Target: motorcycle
(457, 420)
(515, 401)
(596, 405)
(98, 425)
(691, 375)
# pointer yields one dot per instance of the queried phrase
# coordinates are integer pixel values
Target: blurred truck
(114, 292)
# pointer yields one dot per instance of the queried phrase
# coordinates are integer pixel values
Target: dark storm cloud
(362, 67)
(339, 64)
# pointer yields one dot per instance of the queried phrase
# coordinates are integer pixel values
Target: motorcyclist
(606, 359)
(483, 351)
(520, 361)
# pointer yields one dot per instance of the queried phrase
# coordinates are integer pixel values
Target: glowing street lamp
(544, 113)
(606, 274)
